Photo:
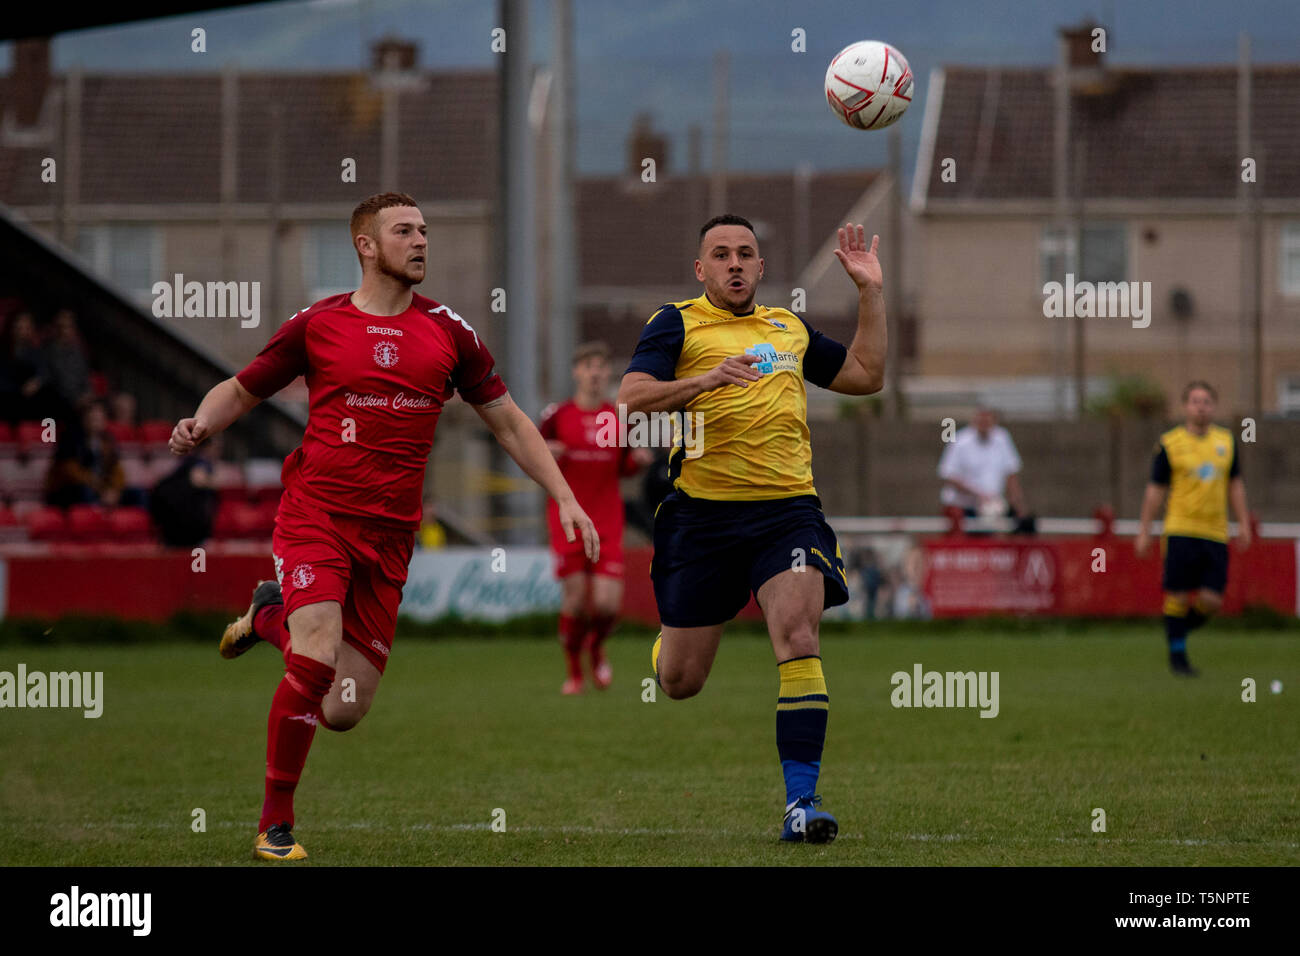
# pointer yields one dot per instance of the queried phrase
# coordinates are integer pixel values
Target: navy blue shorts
(1194, 563)
(711, 555)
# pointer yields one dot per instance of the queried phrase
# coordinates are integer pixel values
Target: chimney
(1088, 74)
(1079, 45)
(392, 54)
(30, 79)
(644, 143)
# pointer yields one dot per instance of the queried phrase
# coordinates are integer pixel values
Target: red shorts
(359, 563)
(570, 558)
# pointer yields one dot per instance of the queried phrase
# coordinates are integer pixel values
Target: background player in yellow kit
(1196, 465)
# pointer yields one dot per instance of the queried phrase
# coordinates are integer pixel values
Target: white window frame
(1055, 242)
(314, 233)
(98, 246)
(1288, 272)
(1288, 395)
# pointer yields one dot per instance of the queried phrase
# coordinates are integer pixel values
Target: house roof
(1158, 133)
(157, 138)
(639, 234)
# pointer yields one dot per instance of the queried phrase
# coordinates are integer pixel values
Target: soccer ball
(868, 85)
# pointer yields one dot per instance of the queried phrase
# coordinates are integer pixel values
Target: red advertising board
(1087, 577)
(975, 576)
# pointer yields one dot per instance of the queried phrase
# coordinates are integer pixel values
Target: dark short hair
(363, 217)
(590, 350)
(1199, 385)
(726, 219)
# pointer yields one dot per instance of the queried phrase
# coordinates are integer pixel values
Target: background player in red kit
(380, 363)
(578, 433)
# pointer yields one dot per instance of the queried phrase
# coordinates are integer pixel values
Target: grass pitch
(467, 731)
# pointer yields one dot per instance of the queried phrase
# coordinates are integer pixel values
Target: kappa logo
(385, 353)
(279, 569)
(302, 576)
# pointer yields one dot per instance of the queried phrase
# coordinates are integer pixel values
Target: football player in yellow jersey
(1196, 464)
(743, 516)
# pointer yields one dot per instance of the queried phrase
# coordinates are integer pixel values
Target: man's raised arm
(864, 365)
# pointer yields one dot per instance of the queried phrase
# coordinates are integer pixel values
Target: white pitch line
(880, 838)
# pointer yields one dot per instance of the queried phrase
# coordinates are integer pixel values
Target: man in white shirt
(980, 469)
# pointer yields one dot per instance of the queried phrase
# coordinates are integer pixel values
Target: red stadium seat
(46, 524)
(8, 441)
(88, 523)
(29, 439)
(23, 507)
(237, 494)
(126, 436)
(130, 524)
(265, 512)
(10, 528)
(236, 519)
(155, 433)
(23, 477)
(268, 495)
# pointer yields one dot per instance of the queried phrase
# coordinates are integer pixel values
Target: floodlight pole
(516, 227)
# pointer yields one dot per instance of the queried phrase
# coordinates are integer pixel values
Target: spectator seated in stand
(68, 362)
(85, 468)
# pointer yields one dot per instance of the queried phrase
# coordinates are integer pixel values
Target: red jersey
(376, 385)
(591, 469)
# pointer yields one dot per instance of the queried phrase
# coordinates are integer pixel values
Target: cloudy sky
(636, 56)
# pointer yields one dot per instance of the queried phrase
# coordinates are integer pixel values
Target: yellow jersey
(1197, 470)
(739, 444)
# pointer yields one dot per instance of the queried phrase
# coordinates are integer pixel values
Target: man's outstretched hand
(858, 260)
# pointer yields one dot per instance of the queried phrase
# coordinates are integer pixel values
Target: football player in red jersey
(583, 435)
(380, 363)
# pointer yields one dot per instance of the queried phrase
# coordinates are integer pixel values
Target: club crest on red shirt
(385, 353)
(302, 576)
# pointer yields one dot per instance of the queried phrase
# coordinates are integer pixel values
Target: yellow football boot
(277, 843)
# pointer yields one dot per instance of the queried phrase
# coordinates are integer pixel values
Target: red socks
(573, 628)
(268, 624)
(601, 625)
(295, 712)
